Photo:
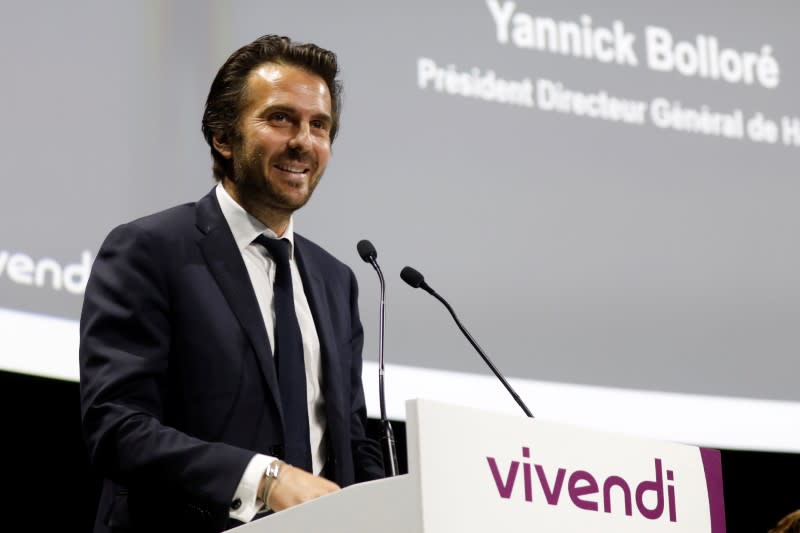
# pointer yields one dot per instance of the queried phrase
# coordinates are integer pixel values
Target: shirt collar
(244, 226)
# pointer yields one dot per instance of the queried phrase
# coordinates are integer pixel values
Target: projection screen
(606, 195)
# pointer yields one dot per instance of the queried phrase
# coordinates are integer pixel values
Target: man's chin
(293, 196)
(284, 198)
(290, 202)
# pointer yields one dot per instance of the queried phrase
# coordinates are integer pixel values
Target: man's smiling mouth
(291, 169)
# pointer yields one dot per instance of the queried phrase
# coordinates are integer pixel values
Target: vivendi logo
(585, 491)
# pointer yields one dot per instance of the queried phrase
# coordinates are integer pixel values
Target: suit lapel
(225, 263)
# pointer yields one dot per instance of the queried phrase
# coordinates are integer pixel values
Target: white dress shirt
(261, 270)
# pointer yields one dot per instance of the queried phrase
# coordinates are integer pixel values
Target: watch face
(273, 469)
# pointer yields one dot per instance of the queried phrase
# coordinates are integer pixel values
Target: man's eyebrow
(323, 116)
(272, 108)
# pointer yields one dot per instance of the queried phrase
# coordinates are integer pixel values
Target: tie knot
(278, 248)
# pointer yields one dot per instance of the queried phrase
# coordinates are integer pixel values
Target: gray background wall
(578, 250)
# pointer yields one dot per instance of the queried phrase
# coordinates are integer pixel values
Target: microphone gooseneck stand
(368, 253)
(416, 280)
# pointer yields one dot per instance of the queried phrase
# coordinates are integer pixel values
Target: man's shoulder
(175, 228)
(176, 221)
(166, 219)
(164, 226)
(316, 253)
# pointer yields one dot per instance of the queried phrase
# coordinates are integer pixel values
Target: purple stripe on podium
(712, 465)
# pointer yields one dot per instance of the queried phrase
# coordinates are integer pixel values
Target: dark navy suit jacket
(178, 388)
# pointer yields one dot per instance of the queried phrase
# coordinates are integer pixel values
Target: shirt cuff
(246, 502)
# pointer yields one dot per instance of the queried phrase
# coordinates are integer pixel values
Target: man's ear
(223, 148)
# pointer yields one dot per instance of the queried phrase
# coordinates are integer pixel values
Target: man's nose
(301, 140)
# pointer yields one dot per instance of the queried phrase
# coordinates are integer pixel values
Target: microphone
(417, 281)
(368, 253)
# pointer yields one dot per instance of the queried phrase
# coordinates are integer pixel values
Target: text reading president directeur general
(220, 351)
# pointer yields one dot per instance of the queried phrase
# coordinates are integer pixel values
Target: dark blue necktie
(288, 358)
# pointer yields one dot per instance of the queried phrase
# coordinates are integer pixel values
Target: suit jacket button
(235, 504)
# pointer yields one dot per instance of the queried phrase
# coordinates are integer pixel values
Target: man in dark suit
(196, 411)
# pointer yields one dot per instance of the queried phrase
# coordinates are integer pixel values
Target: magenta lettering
(671, 498)
(551, 495)
(626, 493)
(651, 486)
(651, 496)
(526, 473)
(589, 486)
(504, 489)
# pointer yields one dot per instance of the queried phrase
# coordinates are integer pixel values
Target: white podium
(472, 471)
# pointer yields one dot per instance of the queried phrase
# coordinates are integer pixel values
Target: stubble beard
(254, 188)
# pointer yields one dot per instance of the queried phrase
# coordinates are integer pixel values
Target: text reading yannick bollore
(704, 57)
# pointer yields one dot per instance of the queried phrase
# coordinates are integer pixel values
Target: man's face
(284, 137)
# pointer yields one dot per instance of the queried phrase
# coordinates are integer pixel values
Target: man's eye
(317, 124)
(279, 117)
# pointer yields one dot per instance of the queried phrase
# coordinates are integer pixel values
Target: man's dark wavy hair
(225, 98)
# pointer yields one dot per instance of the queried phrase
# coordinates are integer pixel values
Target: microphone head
(412, 277)
(366, 250)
